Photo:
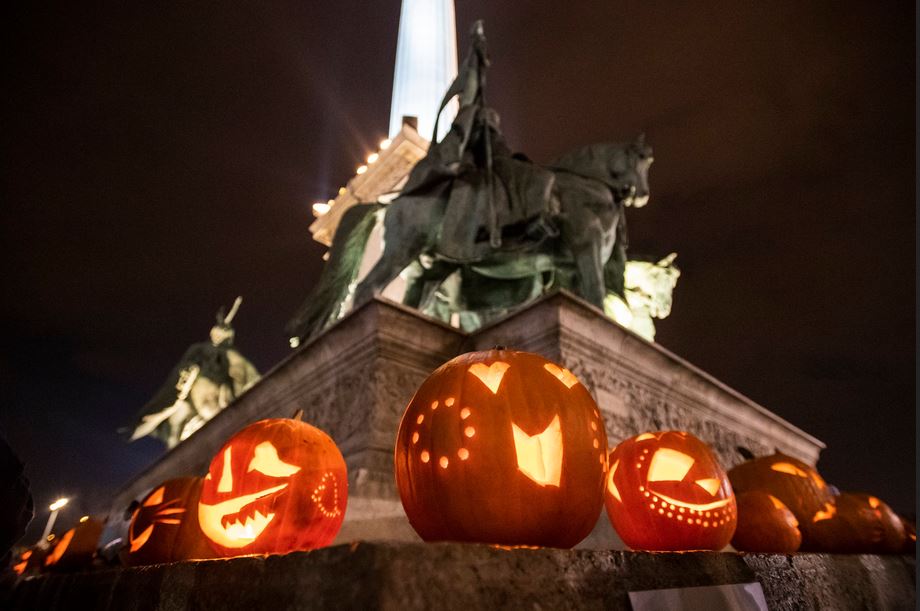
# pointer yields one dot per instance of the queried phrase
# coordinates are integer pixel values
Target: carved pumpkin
(795, 483)
(766, 525)
(164, 527)
(667, 491)
(30, 560)
(76, 548)
(502, 447)
(277, 486)
(856, 523)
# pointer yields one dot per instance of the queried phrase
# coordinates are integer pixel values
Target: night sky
(159, 160)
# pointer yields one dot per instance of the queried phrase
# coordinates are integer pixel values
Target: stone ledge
(460, 576)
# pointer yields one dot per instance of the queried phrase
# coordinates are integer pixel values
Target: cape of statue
(204, 381)
(478, 229)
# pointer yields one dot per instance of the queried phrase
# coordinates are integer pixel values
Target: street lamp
(54, 507)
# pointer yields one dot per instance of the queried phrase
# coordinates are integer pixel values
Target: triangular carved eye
(669, 466)
(785, 467)
(539, 456)
(267, 462)
(156, 498)
(709, 484)
(490, 375)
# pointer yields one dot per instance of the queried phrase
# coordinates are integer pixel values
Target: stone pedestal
(355, 380)
(457, 576)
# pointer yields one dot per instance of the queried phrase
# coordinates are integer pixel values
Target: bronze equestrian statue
(481, 228)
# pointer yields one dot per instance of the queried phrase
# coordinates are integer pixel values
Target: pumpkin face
(76, 547)
(30, 560)
(793, 482)
(164, 527)
(277, 486)
(502, 447)
(765, 525)
(667, 491)
(856, 523)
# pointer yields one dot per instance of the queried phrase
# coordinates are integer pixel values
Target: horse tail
(331, 290)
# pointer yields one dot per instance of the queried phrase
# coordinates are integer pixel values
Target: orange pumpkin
(30, 560)
(797, 484)
(766, 525)
(277, 486)
(502, 447)
(76, 548)
(667, 491)
(856, 523)
(164, 527)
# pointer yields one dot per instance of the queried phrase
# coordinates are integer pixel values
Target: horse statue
(207, 378)
(472, 213)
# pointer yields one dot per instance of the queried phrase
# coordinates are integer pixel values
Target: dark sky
(161, 158)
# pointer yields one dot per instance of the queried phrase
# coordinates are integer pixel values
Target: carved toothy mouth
(694, 506)
(240, 531)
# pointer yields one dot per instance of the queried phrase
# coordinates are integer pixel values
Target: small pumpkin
(667, 491)
(856, 523)
(30, 560)
(766, 525)
(795, 483)
(502, 447)
(279, 485)
(75, 549)
(164, 526)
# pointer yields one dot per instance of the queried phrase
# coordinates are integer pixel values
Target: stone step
(463, 576)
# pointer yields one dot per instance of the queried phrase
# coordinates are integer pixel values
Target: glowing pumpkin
(30, 560)
(277, 486)
(76, 548)
(667, 491)
(164, 527)
(766, 525)
(795, 483)
(502, 447)
(856, 523)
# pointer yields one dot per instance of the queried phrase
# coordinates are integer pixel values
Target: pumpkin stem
(298, 415)
(747, 454)
(499, 347)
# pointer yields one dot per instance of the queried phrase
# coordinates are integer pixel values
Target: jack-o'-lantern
(667, 491)
(765, 525)
(797, 484)
(279, 485)
(856, 523)
(502, 447)
(76, 548)
(30, 560)
(164, 527)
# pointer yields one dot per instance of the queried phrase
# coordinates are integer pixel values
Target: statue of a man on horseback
(478, 230)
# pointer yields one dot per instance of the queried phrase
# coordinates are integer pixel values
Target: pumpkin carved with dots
(666, 491)
(277, 486)
(502, 447)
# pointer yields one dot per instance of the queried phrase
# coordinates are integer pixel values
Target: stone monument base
(458, 576)
(354, 381)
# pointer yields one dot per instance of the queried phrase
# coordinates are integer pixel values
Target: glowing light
(434, 405)
(372, 158)
(420, 419)
(539, 456)
(709, 484)
(342, 190)
(789, 468)
(425, 456)
(156, 498)
(874, 502)
(226, 476)
(361, 169)
(58, 504)
(463, 453)
(645, 436)
(443, 462)
(449, 402)
(415, 437)
(141, 539)
(385, 144)
(328, 480)
(235, 534)
(776, 502)
(669, 465)
(464, 413)
(491, 375)
(267, 462)
(826, 513)
(320, 208)
(84, 519)
(562, 374)
(60, 548)
(469, 431)
(611, 485)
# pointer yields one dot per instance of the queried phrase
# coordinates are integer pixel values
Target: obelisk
(426, 64)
